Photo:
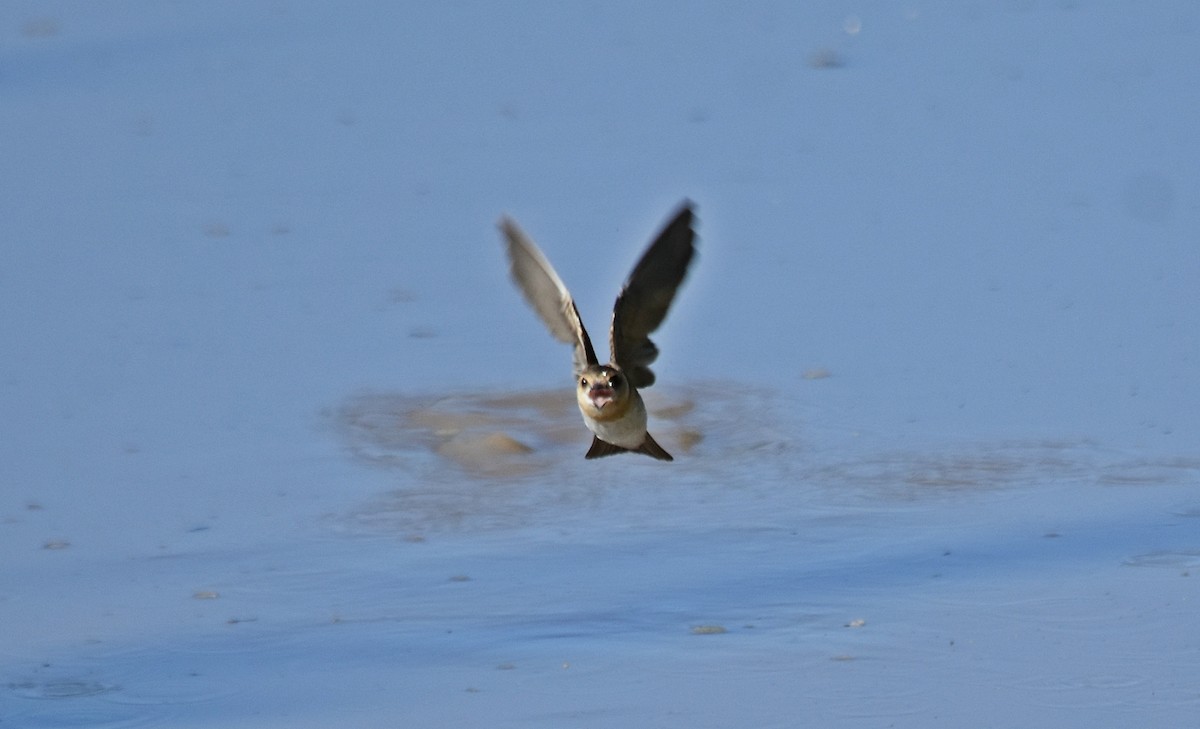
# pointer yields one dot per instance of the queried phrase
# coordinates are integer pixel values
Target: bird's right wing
(545, 292)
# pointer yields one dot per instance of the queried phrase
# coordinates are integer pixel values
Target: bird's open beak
(601, 395)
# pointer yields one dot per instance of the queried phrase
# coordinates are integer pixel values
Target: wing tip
(651, 448)
(602, 448)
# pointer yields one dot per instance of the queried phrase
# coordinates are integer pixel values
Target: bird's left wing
(545, 292)
(646, 296)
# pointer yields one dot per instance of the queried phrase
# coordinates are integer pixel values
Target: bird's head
(602, 392)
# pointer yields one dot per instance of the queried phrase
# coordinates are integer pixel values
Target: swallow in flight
(608, 394)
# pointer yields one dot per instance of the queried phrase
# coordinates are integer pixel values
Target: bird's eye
(614, 381)
(583, 382)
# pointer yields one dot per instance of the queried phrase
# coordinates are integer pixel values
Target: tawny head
(602, 392)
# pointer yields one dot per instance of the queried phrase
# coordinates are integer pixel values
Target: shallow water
(747, 584)
(281, 445)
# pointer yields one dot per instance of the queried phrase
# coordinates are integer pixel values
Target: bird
(607, 394)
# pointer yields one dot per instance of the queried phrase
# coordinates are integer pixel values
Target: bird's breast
(626, 427)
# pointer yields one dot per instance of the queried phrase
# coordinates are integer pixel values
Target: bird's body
(608, 394)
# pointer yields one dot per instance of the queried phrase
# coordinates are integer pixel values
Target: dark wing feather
(602, 448)
(647, 295)
(650, 447)
(545, 292)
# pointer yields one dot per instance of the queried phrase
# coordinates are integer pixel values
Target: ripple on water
(484, 460)
(119, 689)
(511, 435)
(60, 688)
(63, 697)
(1184, 559)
